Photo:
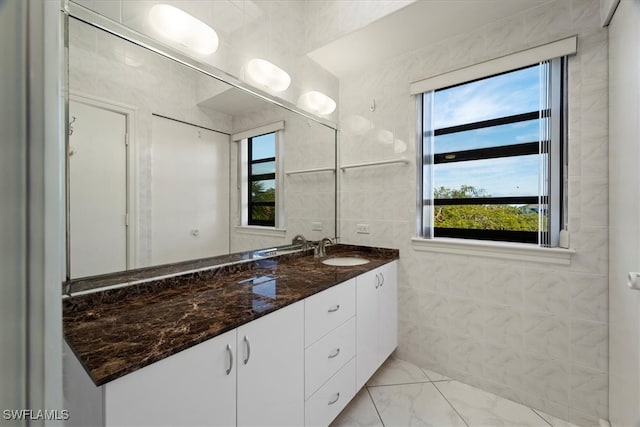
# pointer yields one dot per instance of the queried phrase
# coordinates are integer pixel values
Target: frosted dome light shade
(317, 102)
(268, 74)
(178, 26)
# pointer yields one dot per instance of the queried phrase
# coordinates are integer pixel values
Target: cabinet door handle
(230, 359)
(335, 354)
(335, 399)
(248, 347)
(334, 309)
(377, 281)
(382, 277)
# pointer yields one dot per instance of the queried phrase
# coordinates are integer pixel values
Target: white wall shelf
(375, 163)
(302, 171)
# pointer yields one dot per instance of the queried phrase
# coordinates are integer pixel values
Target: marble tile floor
(402, 394)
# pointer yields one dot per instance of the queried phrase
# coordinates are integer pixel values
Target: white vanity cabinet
(195, 387)
(376, 319)
(299, 365)
(271, 369)
(255, 371)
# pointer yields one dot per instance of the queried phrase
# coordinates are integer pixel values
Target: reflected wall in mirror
(160, 168)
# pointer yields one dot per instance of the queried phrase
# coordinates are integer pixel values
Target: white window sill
(257, 230)
(501, 250)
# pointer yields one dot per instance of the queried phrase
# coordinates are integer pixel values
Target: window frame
(553, 148)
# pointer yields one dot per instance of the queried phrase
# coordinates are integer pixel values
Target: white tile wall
(327, 20)
(532, 332)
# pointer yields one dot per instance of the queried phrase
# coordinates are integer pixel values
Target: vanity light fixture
(178, 26)
(317, 102)
(267, 74)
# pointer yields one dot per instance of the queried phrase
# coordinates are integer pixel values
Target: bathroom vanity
(284, 340)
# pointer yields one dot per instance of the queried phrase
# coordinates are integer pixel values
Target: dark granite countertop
(115, 332)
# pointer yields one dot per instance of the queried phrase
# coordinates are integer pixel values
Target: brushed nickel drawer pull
(248, 346)
(230, 359)
(331, 402)
(334, 309)
(337, 352)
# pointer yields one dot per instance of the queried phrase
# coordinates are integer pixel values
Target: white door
(271, 369)
(195, 387)
(624, 214)
(97, 190)
(190, 192)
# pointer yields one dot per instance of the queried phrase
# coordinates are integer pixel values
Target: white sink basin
(345, 261)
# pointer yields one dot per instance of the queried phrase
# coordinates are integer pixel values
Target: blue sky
(499, 96)
(264, 146)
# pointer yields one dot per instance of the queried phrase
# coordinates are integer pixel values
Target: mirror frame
(88, 16)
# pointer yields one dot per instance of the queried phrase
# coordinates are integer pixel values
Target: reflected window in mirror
(261, 188)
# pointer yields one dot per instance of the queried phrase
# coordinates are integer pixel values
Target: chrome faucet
(299, 239)
(322, 246)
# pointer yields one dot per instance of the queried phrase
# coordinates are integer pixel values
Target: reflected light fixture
(399, 146)
(317, 102)
(384, 136)
(359, 125)
(269, 75)
(178, 26)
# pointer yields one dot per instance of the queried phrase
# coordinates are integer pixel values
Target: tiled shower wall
(532, 332)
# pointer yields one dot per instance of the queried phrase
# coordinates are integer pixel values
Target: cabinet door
(367, 360)
(271, 369)
(388, 310)
(196, 387)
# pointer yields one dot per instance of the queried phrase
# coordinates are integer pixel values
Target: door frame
(131, 151)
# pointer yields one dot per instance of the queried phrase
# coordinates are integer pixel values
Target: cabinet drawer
(328, 309)
(327, 355)
(326, 403)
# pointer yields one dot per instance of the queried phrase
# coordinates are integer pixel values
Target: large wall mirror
(168, 164)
